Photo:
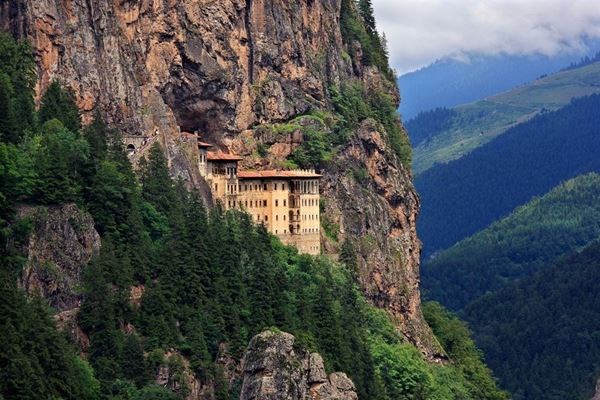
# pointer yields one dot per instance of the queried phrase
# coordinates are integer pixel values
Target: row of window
(305, 230)
(306, 187)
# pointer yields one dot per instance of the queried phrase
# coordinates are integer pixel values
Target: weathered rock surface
(275, 370)
(225, 67)
(63, 240)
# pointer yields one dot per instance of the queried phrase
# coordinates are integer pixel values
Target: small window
(283, 186)
(275, 186)
(277, 218)
(265, 186)
(276, 203)
(266, 217)
(284, 203)
(264, 203)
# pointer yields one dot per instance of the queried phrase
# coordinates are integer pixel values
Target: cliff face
(224, 67)
(61, 243)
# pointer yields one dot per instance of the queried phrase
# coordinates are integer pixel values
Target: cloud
(421, 31)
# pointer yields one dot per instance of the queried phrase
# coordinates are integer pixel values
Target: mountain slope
(477, 123)
(560, 222)
(541, 336)
(450, 82)
(236, 70)
(468, 194)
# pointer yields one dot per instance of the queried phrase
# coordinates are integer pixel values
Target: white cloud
(421, 31)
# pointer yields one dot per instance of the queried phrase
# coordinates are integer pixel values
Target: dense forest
(211, 280)
(464, 196)
(562, 221)
(542, 335)
(429, 123)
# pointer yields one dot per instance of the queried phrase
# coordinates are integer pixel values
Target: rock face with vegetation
(274, 368)
(61, 243)
(242, 72)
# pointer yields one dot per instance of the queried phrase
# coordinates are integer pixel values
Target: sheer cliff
(229, 69)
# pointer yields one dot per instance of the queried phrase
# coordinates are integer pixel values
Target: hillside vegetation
(210, 280)
(542, 335)
(562, 221)
(478, 123)
(530, 159)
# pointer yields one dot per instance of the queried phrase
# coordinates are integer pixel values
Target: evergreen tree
(60, 164)
(8, 125)
(133, 363)
(157, 186)
(17, 63)
(59, 103)
(365, 8)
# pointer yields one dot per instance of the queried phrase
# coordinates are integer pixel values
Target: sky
(422, 31)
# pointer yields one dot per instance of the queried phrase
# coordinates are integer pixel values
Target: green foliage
(17, 83)
(465, 196)
(428, 124)
(210, 279)
(541, 334)
(564, 220)
(59, 103)
(354, 105)
(358, 25)
(455, 338)
(59, 164)
(35, 359)
(314, 151)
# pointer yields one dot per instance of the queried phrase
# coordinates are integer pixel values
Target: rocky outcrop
(62, 241)
(274, 369)
(597, 395)
(226, 68)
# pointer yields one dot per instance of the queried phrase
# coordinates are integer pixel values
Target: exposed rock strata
(275, 370)
(224, 67)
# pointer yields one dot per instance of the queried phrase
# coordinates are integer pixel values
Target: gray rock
(275, 370)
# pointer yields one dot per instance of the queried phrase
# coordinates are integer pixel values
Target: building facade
(285, 202)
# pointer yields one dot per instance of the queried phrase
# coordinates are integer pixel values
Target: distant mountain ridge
(443, 137)
(449, 82)
(535, 234)
(466, 195)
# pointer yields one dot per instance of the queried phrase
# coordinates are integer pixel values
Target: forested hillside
(562, 221)
(542, 335)
(468, 194)
(208, 280)
(475, 124)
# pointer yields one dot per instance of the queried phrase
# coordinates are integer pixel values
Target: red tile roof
(220, 156)
(298, 173)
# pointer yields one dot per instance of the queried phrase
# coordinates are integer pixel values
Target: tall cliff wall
(224, 67)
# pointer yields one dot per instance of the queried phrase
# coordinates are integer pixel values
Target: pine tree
(8, 125)
(133, 363)
(365, 8)
(59, 103)
(17, 62)
(157, 186)
(60, 164)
